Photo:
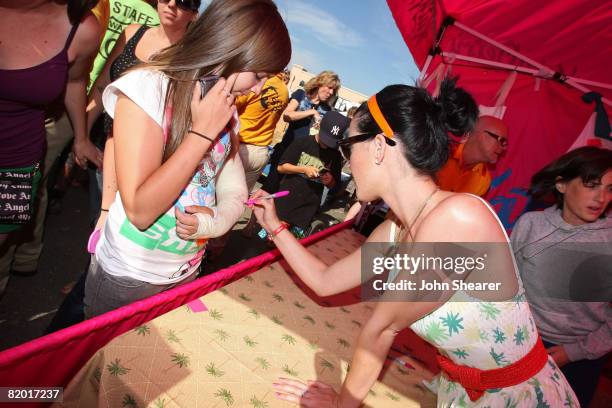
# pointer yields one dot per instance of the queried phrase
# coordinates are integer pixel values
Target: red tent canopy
(560, 50)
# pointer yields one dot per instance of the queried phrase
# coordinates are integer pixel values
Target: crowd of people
(176, 129)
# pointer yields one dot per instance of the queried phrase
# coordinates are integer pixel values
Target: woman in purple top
(45, 52)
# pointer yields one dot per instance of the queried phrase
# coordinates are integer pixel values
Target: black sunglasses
(346, 143)
(503, 141)
(187, 5)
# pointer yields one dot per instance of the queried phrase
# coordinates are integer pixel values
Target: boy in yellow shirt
(258, 117)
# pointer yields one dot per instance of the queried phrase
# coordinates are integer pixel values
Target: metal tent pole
(435, 48)
(550, 74)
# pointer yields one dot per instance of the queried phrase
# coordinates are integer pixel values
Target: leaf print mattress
(249, 333)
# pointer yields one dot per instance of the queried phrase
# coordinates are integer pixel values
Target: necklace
(400, 230)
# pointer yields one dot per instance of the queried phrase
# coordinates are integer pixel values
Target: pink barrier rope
(53, 360)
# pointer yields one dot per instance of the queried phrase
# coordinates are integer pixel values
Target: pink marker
(278, 194)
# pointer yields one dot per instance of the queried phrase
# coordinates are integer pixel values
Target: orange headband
(379, 118)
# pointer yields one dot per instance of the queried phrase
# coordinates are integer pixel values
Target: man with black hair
(308, 165)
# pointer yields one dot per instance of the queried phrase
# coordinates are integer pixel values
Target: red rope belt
(476, 381)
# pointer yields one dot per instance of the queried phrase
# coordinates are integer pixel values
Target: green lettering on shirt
(157, 237)
(122, 13)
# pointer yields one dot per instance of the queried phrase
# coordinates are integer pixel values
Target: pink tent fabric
(544, 116)
(54, 359)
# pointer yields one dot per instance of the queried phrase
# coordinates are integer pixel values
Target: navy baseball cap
(332, 128)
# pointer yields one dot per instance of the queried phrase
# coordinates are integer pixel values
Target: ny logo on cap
(335, 130)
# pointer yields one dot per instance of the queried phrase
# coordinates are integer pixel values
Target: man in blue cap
(308, 165)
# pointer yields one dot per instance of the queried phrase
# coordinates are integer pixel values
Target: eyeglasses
(503, 141)
(187, 5)
(346, 143)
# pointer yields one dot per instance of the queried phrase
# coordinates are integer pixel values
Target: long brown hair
(231, 36)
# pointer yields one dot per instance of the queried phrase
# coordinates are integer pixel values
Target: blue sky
(358, 39)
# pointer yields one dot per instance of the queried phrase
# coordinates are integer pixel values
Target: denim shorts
(105, 292)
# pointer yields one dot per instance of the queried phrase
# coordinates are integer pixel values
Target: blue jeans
(105, 292)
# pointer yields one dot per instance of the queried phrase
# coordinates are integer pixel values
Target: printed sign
(15, 196)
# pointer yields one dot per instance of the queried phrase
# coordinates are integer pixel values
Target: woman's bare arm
(80, 53)
(374, 343)
(147, 186)
(291, 114)
(324, 280)
(109, 181)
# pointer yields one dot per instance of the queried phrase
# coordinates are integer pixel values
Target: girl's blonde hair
(231, 36)
(325, 78)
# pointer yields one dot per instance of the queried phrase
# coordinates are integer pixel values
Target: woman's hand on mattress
(559, 355)
(187, 222)
(315, 394)
(211, 114)
(264, 211)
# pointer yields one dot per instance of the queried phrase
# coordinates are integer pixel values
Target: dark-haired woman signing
(489, 348)
(569, 245)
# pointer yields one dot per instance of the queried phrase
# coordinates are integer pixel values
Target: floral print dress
(490, 335)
